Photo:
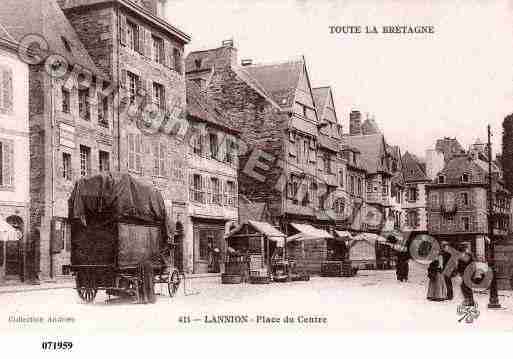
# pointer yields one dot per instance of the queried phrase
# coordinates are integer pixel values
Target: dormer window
(465, 178)
(441, 179)
(197, 62)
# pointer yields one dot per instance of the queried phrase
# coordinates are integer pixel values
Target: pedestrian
(466, 260)
(402, 267)
(446, 257)
(437, 291)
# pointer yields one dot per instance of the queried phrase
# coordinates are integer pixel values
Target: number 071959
(56, 345)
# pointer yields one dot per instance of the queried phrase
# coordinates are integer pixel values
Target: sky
(418, 87)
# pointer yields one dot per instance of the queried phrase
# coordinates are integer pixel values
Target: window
(359, 188)
(66, 44)
(159, 159)
(84, 109)
(339, 206)
(214, 145)
(385, 189)
(197, 189)
(341, 178)
(441, 179)
(369, 187)
(434, 200)
(177, 59)
(135, 152)
(104, 161)
(6, 90)
(351, 185)
(65, 101)
(412, 194)
(465, 178)
(230, 145)
(132, 36)
(85, 161)
(157, 49)
(217, 197)
(103, 111)
(66, 166)
(412, 219)
(231, 190)
(327, 163)
(306, 150)
(197, 141)
(313, 194)
(158, 95)
(298, 150)
(206, 243)
(465, 222)
(465, 198)
(133, 85)
(6, 163)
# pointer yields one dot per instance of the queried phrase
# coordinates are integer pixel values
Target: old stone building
(142, 54)
(14, 156)
(458, 205)
(415, 194)
(213, 186)
(70, 134)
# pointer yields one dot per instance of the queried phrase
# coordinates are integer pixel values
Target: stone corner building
(82, 130)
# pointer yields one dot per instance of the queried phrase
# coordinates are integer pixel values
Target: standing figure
(465, 261)
(446, 257)
(402, 267)
(437, 290)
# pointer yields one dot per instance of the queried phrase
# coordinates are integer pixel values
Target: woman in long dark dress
(437, 290)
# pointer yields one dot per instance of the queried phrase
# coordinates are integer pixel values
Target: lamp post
(493, 302)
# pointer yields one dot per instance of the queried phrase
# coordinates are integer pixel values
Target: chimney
(355, 123)
(226, 55)
(246, 62)
(161, 8)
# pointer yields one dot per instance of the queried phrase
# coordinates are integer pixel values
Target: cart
(120, 239)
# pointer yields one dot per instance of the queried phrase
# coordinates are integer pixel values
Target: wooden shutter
(122, 30)
(7, 92)
(7, 163)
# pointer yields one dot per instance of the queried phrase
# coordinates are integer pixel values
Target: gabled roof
(320, 95)
(412, 169)
(372, 151)
(204, 60)
(449, 147)
(280, 80)
(45, 18)
(464, 164)
(200, 108)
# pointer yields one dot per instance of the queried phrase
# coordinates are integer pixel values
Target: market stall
(308, 247)
(337, 263)
(251, 249)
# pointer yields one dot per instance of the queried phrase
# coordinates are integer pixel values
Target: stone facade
(14, 158)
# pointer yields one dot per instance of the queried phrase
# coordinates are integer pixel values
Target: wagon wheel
(86, 288)
(173, 283)
(87, 294)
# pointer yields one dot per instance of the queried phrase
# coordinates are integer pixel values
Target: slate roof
(449, 147)
(372, 149)
(463, 163)
(45, 18)
(200, 61)
(280, 80)
(412, 169)
(199, 107)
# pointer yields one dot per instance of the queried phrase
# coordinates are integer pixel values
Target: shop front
(11, 251)
(208, 245)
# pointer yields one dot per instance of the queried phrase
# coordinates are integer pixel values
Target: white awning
(344, 234)
(270, 232)
(307, 231)
(7, 232)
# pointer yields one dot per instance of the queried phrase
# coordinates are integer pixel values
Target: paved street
(373, 300)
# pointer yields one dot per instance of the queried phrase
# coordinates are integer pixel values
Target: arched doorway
(178, 246)
(14, 249)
